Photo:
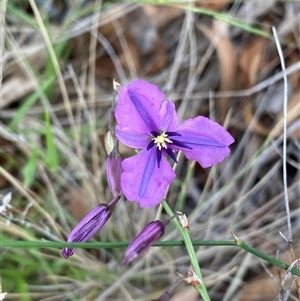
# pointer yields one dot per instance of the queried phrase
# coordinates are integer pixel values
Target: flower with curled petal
(148, 122)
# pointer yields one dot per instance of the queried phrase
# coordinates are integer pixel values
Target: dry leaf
(160, 16)
(77, 205)
(292, 59)
(219, 36)
(293, 114)
(226, 54)
(250, 64)
(250, 60)
(132, 59)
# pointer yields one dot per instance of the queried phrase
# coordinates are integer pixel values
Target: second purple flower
(147, 122)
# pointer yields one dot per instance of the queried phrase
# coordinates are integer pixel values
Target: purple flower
(144, 240)
(147, 122)
(89, 225)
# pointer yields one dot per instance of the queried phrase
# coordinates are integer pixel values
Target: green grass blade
(217, 15)
(21, 14)
(30, 168)
(52, 158)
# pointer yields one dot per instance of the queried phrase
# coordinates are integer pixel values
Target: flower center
(161, 141)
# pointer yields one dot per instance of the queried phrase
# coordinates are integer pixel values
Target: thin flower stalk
(190, 250)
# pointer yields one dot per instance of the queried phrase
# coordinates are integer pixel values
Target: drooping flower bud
(113, 172)
(145, 239)
(89, 225)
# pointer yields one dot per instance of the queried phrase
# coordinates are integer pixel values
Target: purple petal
(132, 138)
(142, 181)
(138, 106)
(208, 139)
(168, 116)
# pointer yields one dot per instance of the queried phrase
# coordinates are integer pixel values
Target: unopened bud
(89, 225)
(113, 172)
(144, 240)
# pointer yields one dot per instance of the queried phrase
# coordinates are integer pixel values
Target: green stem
(109, 245)
(264, 256)
(170, 243)
(190, 250)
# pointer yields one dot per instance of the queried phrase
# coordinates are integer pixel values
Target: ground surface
(212, 58)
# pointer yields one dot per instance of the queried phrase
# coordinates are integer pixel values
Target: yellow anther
(161, 141)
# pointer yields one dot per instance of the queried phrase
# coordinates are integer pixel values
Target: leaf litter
(195, 59)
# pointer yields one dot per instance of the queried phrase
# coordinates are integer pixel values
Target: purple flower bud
(144, 240)
(113, 172)
(89, 225)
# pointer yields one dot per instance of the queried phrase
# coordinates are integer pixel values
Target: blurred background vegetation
(214, 58)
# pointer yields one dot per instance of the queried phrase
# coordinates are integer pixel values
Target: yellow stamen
(161, 141)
